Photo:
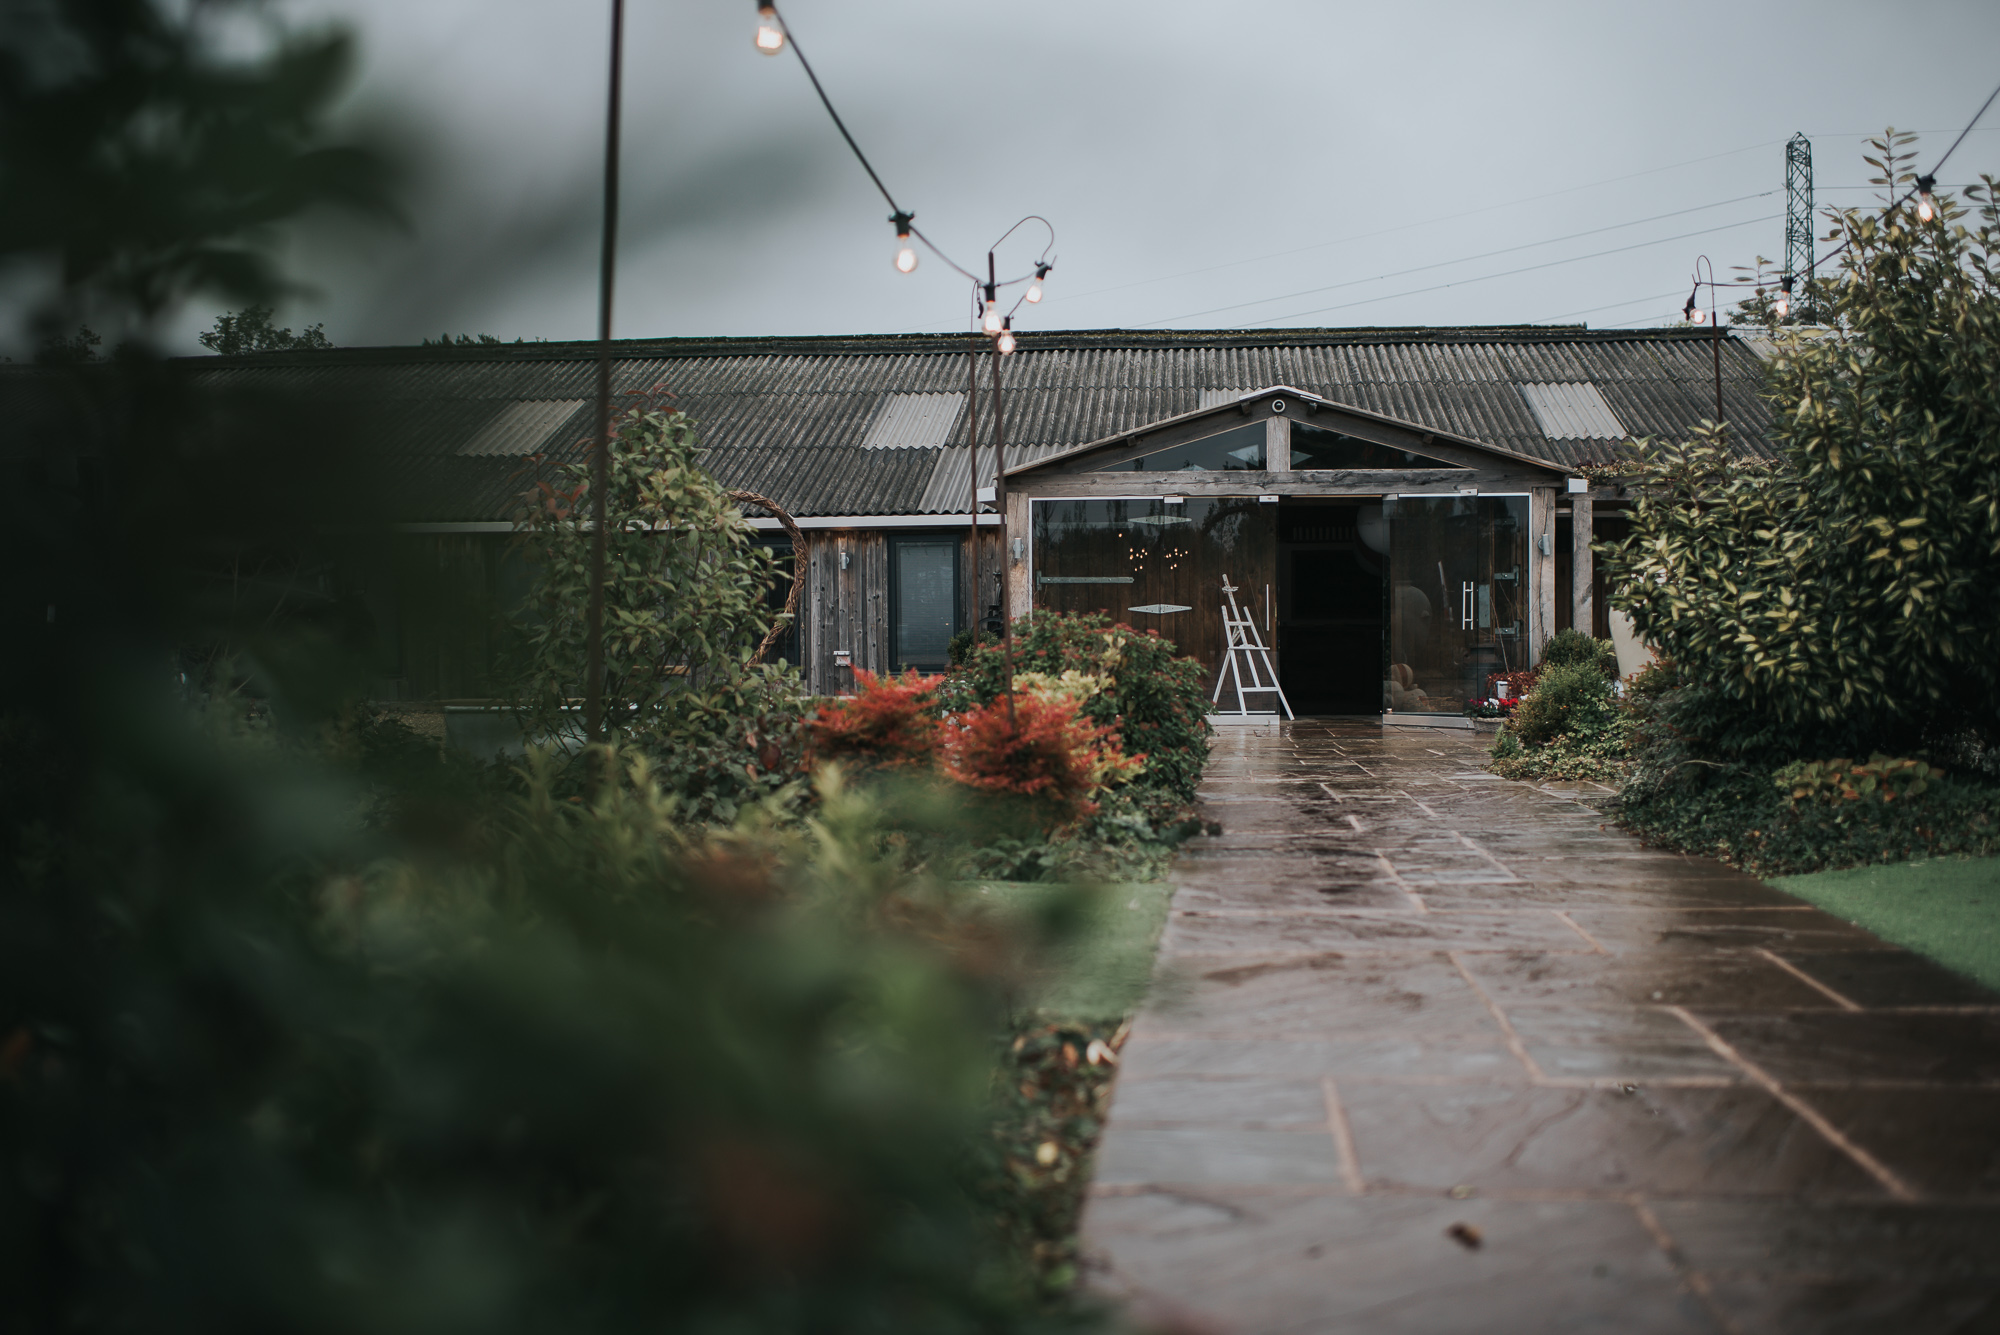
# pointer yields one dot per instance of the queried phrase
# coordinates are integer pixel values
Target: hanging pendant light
(1926, 205)
(906, 251)
(1034, 293)
(770, 32)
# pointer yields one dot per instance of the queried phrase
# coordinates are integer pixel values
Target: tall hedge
(1841, 597)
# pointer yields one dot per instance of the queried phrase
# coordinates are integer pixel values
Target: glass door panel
(1458, 591)
(923, 591)
(1159, 567)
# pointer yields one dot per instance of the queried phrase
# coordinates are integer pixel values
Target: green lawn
(1100, 972)
(1946, 908)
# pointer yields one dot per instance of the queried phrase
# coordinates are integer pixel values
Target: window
(1317, 447)
(923, 601)
(1237, 450)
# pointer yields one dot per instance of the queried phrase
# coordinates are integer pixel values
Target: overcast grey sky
(1206, 165)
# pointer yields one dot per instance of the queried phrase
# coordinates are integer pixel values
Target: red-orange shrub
(1049, 754)
(889, 723)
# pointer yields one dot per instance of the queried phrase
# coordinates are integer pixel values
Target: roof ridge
(887, 344)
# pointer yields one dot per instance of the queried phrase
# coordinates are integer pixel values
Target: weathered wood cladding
(452, 594)
(845, 605)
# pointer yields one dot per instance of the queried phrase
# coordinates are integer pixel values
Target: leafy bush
(684, 610)
(1880, 778)
(1567, 648)
(890, 722)
(1568, 726)
(1152, 699)
(1838, 600)
(1571, 698)
(1747, 816)
(1042, 750)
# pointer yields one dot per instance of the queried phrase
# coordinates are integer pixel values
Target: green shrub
(1746, 816)
(684, 610)
(1570, 698)
(1153, 698)
(1570, 647)
(1838, 600)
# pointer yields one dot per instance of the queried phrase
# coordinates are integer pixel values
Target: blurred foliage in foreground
(487, 1065)
(306, 1028)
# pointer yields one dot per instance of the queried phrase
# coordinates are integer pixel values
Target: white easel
(1245, 660)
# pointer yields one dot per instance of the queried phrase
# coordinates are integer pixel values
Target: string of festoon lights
(1923, 189)
(773, 36)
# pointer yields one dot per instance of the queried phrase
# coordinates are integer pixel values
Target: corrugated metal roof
(792, 417)
(1573, 412)
(521, 427)
(914, 421)
(1211, 398)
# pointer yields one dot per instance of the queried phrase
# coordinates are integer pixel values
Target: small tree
(1842, 597)
(684, 612)
(252, 331)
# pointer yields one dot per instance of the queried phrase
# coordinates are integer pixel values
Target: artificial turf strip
(1945, 908)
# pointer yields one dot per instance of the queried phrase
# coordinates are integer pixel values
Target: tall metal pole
(972, 460)
(600, 453)
(1000, 504)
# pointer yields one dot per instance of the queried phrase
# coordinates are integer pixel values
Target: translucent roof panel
(914, 421)
(1575, 411)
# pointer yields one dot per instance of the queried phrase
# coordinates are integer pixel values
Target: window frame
(897, 541)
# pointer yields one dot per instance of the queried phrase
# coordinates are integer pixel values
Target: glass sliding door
(1458, 598)
(923, 601)
(1156, 566)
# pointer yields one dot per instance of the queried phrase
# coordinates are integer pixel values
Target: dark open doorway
(1331, 560)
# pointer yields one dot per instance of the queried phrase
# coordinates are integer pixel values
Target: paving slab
(1429, 1051)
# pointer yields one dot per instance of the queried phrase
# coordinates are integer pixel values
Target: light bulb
(991, 323)
(1783, 305)
(1926, 206)
(1034, 292)
(1698, 315)
(906, 255)
(770, 33)
(1006, 343)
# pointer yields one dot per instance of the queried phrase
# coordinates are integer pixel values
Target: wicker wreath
(791, 615)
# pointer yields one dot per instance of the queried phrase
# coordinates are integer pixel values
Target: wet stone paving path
(1430, 1050)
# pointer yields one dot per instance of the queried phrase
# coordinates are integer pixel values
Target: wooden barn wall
(849, 609)
(452, 591)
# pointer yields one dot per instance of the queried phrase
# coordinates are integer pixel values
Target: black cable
(1983, 106)
(1509, 273)
(1463, 259)
(859, 156)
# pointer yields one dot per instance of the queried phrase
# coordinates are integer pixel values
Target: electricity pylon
(1799, 225)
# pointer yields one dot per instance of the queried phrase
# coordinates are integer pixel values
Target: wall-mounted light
(843, 559)
(1578, 485)
(1020, 547)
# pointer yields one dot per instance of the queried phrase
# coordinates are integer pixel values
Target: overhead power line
(1464, 259)
(1509, 273)
(1404, 227)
